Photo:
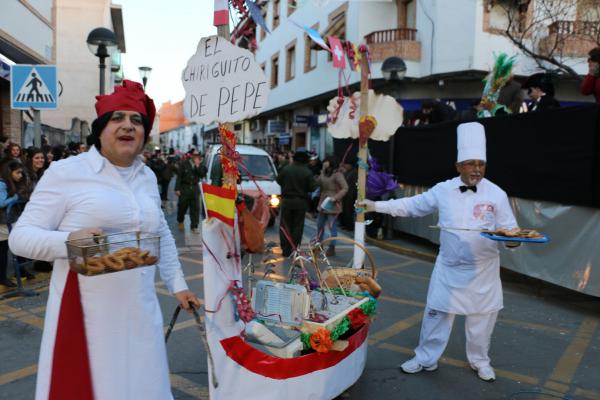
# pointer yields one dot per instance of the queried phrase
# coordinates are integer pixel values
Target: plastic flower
(321, 341)
(357, 318)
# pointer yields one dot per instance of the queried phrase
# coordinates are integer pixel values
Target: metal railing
(588, 28)
(391, 35)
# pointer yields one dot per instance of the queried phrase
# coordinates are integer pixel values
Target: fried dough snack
(518, 233)
(125, 258)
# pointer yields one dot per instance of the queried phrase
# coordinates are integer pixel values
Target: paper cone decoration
(344, 116)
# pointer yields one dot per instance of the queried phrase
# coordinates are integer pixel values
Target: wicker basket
(344, 276)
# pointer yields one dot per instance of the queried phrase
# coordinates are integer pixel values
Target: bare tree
(552, 32)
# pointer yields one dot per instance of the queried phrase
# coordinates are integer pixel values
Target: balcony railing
(587, 28)
(391, 35)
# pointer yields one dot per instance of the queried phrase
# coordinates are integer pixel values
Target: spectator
(470, 113)
(13, 152)
(59, 153)
(191, 171)
(511, 96)
(11, 173)
(541, 92)
(591, 82)
(48, 153)
(351, 175)
(333, 189)
(435, 111)
(296, 183)
(35, 165)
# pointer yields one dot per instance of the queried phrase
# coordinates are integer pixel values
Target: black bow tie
(464, 188)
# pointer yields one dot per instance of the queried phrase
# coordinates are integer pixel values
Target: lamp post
(102, 43)
(145, 74)
(393, 70)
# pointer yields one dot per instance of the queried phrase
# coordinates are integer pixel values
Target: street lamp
(145, 74)
(393, 68)
(102, 43)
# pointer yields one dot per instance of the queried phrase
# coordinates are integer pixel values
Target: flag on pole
(221, 13)
(313, 34)
(337, 52)
(219, 203)
(256, 15)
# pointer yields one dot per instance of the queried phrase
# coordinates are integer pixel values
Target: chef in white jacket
(103, 335)
(466, 276)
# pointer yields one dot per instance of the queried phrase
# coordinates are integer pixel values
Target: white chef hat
(470, 138)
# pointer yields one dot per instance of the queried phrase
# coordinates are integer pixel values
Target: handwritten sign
(223, 83)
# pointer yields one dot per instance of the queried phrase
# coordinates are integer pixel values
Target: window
(406, 13)
(290, 61)
(337, 25)
(291, 7)
(310, 53)
(274, 70)
(263, 12)
(276, 8)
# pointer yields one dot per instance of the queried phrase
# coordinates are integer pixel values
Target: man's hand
(512, 245)
(86, 233)
(185, 297)
(368, 205)
(177, 193)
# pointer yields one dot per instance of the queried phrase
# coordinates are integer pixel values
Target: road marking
(407, 275)
(588, 394)
(18, 374)
(37, 310)
(463, 364)
(559, 388)
(399, 265)
(189, 387)
(569, 362)
(192, 260)
(534, 326)
(188, 278)
(402, 301)
(396, 328)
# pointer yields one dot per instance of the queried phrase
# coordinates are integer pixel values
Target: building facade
(448, 48)
(77, 67)
(27, 36)
(54, 32)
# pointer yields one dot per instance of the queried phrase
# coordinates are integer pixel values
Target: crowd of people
(536, 93)
(20, 171)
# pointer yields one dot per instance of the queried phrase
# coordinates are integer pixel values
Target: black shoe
(8, 283)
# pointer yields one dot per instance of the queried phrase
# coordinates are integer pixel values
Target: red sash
(71, 375)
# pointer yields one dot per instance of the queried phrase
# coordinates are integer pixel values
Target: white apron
(122, 317)
(466, 276)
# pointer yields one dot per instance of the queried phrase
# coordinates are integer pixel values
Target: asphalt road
(546, 344)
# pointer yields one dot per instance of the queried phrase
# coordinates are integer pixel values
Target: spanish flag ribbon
(219, 202)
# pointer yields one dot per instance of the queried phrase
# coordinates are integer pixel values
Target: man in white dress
(466, 276)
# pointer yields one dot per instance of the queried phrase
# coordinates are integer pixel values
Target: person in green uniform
(188, 190)
(296, 181)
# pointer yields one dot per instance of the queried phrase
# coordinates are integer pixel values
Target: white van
(259, 165)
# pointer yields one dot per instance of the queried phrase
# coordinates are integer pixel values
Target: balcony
(399, 42)
(570, 38)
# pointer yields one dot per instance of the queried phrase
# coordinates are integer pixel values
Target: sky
(163, 35)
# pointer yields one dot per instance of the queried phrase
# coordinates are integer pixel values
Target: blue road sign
(33, 86)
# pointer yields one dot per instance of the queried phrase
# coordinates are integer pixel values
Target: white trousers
(435, 332)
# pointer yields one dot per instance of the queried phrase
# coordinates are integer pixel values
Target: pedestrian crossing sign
(33, 86)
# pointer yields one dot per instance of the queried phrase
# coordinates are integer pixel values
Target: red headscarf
(128, 97)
